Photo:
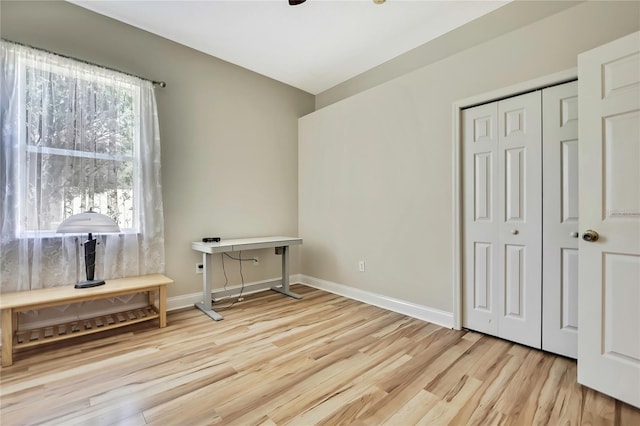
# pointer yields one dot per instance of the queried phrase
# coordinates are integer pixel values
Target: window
(75, 136)
(79, 148)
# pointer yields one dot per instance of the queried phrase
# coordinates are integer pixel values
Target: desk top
(244, 244)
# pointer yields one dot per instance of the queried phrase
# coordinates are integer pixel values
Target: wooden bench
(13, 303)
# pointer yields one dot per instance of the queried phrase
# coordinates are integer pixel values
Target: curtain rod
(154, 82)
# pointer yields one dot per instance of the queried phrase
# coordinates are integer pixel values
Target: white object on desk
(281, 245)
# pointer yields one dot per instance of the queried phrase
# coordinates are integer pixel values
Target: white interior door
(480, 144)
(502, 219)
(609, 299)
(520, 219)
(560, 219)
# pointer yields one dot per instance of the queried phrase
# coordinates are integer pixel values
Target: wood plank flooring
(321, 360)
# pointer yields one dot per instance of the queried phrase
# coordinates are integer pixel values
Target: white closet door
(520, 217)
(480, 145)
(502, 219)
(560, 220)
(609, 299)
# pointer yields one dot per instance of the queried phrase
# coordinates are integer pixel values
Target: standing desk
(281, 245)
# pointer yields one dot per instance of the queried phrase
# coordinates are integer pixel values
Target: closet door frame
(457, 167)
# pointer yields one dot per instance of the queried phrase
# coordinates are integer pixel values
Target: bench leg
(162, 305)
(152, 297)
(7, 337)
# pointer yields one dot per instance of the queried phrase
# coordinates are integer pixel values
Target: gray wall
(228, 135)
(375, 169)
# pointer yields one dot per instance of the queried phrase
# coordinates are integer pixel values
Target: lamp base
(89, 283)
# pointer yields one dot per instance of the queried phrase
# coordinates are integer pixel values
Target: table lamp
(89, 222)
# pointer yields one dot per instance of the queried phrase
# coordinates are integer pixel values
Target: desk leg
(207, 284)
(7, 337)
(284, 251)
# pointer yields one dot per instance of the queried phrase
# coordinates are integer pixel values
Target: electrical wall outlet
(256, 261)
(361, 266)
(199, 268)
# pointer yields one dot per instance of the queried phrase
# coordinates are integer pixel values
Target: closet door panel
(560, 219)
(569, 295)
(568, 185)
(480, 139)
(520, 216)
(514, 181)
(483, 177)
(483, 277)
(514, 281)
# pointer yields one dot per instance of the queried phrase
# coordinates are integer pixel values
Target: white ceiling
(313, 46)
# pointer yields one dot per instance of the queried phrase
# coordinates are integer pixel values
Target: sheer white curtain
(75, 136)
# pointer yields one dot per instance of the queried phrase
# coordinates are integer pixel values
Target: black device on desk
(211, 240)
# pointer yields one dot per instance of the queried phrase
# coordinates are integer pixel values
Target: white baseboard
(425, 313)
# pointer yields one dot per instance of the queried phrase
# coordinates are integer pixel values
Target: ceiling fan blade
(295, 2)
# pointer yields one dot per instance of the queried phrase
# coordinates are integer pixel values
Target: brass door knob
(590, 236)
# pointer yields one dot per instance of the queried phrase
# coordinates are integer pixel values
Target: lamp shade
(89, 221)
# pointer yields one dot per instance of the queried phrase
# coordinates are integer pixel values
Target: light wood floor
(274, 360)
